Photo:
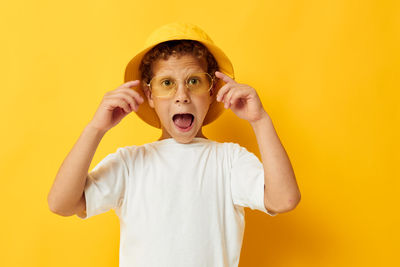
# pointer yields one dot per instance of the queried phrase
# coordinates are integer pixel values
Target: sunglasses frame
(175, 89)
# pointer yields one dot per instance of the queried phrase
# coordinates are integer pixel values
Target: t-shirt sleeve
(106, 184)
(247, 180)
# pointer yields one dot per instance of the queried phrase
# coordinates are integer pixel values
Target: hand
(115, 105)
(241, 98)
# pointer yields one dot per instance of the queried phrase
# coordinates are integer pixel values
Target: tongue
(183, 120)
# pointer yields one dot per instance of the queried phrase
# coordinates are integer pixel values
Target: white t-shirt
(178, 204)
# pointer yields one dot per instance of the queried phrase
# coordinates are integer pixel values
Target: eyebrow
(171, 76)
(188, 73)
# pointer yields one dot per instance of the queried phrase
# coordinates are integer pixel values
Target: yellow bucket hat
(178, 31)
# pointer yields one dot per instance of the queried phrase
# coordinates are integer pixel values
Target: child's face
(183, 101)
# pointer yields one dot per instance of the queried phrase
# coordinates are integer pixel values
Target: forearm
(70, 180)
(281, 190)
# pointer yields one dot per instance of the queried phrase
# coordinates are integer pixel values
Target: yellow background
(327, 73)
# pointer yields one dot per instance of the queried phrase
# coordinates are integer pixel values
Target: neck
(166, 135)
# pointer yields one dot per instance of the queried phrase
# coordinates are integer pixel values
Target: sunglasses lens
(162, 86)
(197, 83)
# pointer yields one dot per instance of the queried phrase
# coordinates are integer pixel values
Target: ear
(213, 90)
(211, 97)
(149, 97)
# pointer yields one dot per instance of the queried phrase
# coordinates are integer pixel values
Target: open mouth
(183, 120)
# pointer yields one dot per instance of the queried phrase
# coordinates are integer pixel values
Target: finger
(134, 101)
(222, 91)
(119, 102)
(234, 97)
(130, 100)
(224, 77)
(228, 97)
(132, 93)
(130, 84)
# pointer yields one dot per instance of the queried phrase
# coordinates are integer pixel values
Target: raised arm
(66, 196)
(281, 193)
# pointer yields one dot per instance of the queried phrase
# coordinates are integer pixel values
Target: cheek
(161, 109)
(204, 105)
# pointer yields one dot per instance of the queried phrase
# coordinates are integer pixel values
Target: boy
(180, 199)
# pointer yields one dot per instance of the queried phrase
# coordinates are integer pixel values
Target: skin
(182, 101)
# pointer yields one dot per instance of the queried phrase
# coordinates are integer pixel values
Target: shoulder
(226, 147)
(232, 151)
(138, 153)
(124, 155)
(233, 148)
(238, 153)
(133, 151)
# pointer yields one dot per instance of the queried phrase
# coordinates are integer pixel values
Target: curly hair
(177, 48)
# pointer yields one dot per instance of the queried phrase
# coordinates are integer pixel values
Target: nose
(182, 94)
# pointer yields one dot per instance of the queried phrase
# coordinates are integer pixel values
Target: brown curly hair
(177, 48)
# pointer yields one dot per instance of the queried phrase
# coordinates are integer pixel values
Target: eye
(194, 80)
(166, 82)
